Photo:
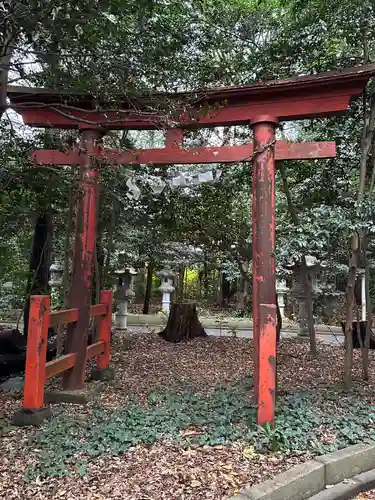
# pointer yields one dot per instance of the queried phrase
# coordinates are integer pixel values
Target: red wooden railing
(37, 370)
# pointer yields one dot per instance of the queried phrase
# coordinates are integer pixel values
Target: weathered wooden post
(264, 283)
(83, 259)
(33, 411)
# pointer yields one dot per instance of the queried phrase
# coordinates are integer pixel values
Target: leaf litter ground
(368, 495)
(178, 423)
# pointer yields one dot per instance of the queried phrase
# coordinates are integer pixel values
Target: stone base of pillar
(105, 375)
(25, 417)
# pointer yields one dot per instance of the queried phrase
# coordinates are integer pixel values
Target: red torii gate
(261, 105)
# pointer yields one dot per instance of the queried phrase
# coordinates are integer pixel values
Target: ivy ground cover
(178, 423)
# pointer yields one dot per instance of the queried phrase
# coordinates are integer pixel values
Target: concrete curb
(346, 490)
(339, 475)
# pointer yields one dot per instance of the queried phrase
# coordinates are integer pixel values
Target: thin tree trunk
(365, 353)
(218, 289)
(6, 52)
(357, 240)
(146, 302)
(66, 272)
(242, 294)
(205, 279)
(110, 246)
(40, 261)
(348, 361)
(279, 323)
(225, 291)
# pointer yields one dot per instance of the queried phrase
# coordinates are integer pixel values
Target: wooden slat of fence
(95, 349)
(60, 365)
(63, 317)
(98, 310)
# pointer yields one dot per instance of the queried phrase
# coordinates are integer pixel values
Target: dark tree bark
(183, 323)
(349, 312)
(181, 284)
(146, 302)
(309, 303)
(98, 264)
(205, 279)
(226, 291)
(40, 261)
(279, 321)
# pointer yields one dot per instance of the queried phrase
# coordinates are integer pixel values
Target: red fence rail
(37, 370)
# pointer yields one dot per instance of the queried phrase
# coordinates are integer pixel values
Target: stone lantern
(56, 280)
(166, 276)
(281, 291)
(124, 293)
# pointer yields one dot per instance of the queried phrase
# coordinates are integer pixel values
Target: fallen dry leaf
(163, 471)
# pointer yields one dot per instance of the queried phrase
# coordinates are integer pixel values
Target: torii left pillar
(83, 259)
(264, 282)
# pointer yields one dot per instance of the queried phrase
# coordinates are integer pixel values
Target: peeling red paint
(173, 152)
(35, 366)
(264, 265)
(37, 370)
(299, 98)
(82, 275)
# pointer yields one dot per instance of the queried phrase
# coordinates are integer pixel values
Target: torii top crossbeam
(292, 99)
(260, 105)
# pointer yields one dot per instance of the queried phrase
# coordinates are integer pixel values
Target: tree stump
(183, 323)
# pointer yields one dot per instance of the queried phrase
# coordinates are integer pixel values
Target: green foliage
(304, 423)
(132, 48)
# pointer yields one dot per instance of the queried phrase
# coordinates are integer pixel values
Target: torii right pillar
(264, 281)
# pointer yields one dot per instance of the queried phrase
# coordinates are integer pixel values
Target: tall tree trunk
(366, 347)
(242, 294)
(181, 282)
(6, 52)
(225, 291)
(110, 246)
(39, 264)
(357, 238)
(205, 279)
(279, 323)
(349, 313)
(148, 291)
